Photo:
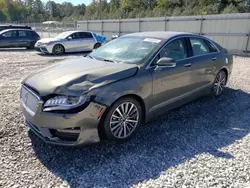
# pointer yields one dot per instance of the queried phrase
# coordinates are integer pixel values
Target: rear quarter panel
(225, 61)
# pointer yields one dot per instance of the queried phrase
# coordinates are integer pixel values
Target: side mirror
(69, 38)
(166, 62)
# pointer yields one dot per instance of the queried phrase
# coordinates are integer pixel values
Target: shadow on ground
(203, 126)
(15, 50)
(64, 55)
(24, 50)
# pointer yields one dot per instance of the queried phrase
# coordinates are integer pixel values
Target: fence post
(119, 26)
(87, 25)
(201, 24)
(75, 25)
(139, 25)
(165, 23)
(248, 38)
(102, 26)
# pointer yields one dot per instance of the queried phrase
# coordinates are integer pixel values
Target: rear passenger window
(199, 46)
(86, 35)
(23, 33)
(211, 46)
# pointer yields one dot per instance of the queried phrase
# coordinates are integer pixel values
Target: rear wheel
(122, 119)
(58, 49)
(32, 45)
(97, 45)
(219, 83)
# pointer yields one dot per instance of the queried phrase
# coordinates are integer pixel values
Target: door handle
(214, 58)
(188, 65)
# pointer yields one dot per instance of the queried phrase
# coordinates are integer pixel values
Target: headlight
(64, 102)
(46, 43)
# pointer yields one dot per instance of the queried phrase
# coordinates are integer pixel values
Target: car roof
(18, 29)
(25, 26)
(76, 31)
(6, 30)
(160, 34)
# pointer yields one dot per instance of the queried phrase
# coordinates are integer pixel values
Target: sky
(75, 2)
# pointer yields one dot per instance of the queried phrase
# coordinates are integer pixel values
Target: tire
(32, 45)
(118, 128)
(219, 83)
(58, 49)
(97, 45)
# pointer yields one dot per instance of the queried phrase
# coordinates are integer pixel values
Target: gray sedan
(70, 41)
(121, 85)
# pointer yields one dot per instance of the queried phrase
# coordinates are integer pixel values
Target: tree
(230, 9)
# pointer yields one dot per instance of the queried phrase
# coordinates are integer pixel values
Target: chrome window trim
(180, 37)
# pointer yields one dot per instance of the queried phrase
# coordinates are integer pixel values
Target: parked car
(4, 27)
(18, 38)
(70, 41)
(121, 85)
(114, 37)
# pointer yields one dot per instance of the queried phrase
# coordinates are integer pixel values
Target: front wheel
(219, 83)
(122, 119)
(58, 49)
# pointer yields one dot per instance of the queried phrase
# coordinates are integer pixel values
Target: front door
(171, 83)
(73, 43)
(9, 39)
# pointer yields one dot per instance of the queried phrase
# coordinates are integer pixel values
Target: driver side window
(75, 35)
(176, 50)
(9, 34)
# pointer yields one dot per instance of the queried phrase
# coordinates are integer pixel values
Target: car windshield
(126, 49)
(63, 35)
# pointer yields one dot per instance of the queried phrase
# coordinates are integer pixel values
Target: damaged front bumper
(65, 129)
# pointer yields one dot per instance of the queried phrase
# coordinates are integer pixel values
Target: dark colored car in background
(18, 38)
(4, 27)
(119, 86)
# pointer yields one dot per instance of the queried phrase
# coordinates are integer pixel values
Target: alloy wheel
(220, 82)
(58, 50)
(124, 120)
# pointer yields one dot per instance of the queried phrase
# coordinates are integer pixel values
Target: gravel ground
(203, 144)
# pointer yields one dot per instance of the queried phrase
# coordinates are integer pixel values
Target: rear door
(88, 41)
(24, 38)
(203, 62)
(170, 84)
(9, 39)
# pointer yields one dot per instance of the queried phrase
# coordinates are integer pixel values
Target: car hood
(46, 40)
(76, 77)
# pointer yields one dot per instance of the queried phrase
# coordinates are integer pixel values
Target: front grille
(29, 100)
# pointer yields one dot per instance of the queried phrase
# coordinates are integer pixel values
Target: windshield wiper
(108, 60)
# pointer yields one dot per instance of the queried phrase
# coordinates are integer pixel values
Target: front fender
(139, 85)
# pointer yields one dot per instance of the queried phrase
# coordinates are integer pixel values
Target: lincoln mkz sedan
(115, 89)
(70, 41)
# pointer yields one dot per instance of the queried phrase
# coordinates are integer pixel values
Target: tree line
(37, 11)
